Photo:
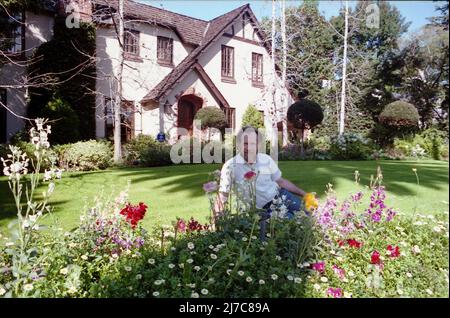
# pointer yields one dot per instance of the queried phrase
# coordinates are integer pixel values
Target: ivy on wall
(66, 69)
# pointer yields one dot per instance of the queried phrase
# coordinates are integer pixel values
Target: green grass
(177, 190)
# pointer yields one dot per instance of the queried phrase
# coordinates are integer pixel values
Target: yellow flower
(311, 201)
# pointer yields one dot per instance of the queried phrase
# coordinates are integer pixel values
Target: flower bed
(340, 249)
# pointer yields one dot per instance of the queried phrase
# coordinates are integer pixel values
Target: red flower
(351, 242)
(249, 175)
(133, 214)
(194, 225)
(395, 251)
(354, 243)
(375, 258)
(320, 267)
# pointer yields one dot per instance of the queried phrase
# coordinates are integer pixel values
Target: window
(230, 114)
(131, 42)
(126, 120)
(3, 116)
(164, 50)
(257, 68)
(227, 61)
(14, 37)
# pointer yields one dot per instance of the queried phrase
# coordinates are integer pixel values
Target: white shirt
(268, 173)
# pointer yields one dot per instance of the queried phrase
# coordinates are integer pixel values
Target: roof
(215, 28)
(189, 29)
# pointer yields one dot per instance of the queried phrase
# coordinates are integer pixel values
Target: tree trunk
(284, 94)
(118, 99)
(274, 138)
(344, 75)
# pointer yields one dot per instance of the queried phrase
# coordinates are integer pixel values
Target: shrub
(315, 148)
(65, 121)
(252, 117)
(350, 146)
(400, 115)
(157, 154)
(211, 117)
(429, 143)
(136, 146)
(305, 114)
(85, 155)
(382, 135)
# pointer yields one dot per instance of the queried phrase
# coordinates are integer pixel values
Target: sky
(415, 12)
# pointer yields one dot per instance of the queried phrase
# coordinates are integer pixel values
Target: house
(173, 66)
(30, 30)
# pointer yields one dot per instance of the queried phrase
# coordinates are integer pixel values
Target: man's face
(249, 146)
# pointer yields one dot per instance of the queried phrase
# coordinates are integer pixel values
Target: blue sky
(414, 11)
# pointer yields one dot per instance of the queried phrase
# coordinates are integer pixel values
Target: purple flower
(210, 187)
(357, 197)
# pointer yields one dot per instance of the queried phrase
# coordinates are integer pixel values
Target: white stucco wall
(138, 77)
(38, 29)
(242, 93)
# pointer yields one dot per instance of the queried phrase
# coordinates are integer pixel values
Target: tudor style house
(173, 66)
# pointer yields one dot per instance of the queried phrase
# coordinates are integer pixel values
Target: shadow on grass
(312, 176)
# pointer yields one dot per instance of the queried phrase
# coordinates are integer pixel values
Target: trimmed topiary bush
(304, 114)
(400, 114)
(211, 117)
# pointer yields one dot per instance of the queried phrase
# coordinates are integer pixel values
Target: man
(270, 186)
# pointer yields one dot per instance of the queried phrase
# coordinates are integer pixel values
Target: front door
(186, 113)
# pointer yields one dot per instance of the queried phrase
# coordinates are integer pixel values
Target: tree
(308, 51)
(211, 117)
(367, 85)
(304, 114)
(253, 117)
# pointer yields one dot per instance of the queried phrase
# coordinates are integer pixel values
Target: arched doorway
(188, 105)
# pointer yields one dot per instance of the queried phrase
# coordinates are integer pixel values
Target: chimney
(81, 7)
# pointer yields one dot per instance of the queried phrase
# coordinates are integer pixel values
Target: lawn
(177, 190)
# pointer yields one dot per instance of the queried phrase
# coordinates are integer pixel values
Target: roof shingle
(214, 29)
(190, 29)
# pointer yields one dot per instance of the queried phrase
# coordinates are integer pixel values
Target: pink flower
(395, 251)
(181, 225)
(250, 175)
(340, 272)
(320, 267)
(334, 292)
(375, 258)
(210, 187)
